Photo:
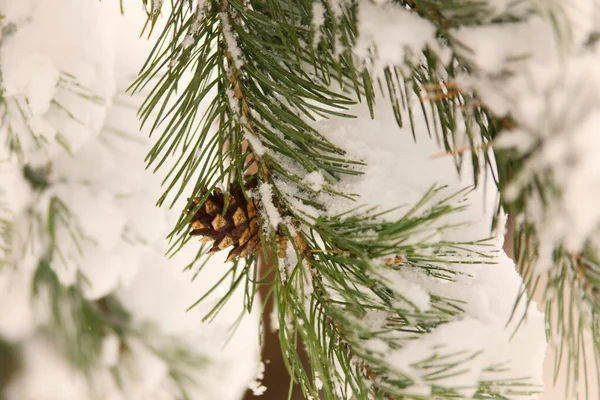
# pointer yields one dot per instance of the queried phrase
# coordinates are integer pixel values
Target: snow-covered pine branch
(282, 74)
(89, 305)
(379, 214)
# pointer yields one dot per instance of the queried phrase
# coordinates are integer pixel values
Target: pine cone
(237, 226)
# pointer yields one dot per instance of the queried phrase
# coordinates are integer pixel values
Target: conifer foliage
(366, 151)
(89, 306)
(268, 73)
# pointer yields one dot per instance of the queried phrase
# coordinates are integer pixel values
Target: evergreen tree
(368, 151)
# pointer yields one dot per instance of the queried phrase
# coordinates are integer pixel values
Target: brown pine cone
(236, 226)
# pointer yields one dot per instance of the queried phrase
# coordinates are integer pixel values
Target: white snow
(33, 77)
(231, 42)
(110, 350)
(48, 375)
(550, 87)
(266, 196)
(315, 180)
(255, 143)
(390, 35)
(14, 192)
(256, 386)
(157, 6)
(33, 60)
(16, 11)
(16, 307)
(96, 213)
(406, 289)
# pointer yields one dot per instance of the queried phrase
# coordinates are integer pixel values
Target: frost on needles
(89, 306)
(373, 243)
(279, 82)
(380, 143)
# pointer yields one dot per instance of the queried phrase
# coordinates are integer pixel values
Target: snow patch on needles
(318, 19)
(405, 290)
(32, 76)
(266, 197)
(46, 82)
(231, 41)
(391, 35)
(256, 386)
(255, 143)
(315, 181)
(399, 172)
(509, 50)
(550, 89)
(108, 237)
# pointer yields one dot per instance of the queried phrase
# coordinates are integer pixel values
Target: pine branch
(571, 303)
(334, 286)
(270, 72)
(260, 94)
(527, 190)
(565, 276)
(255, 102)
